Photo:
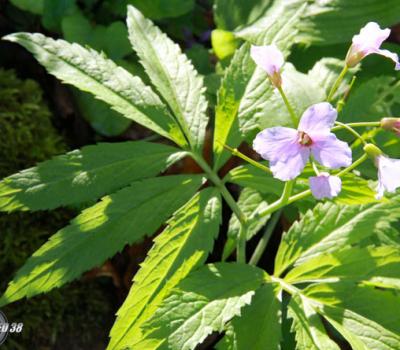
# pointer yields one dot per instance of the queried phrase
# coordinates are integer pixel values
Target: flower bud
(391, 124)
(271, 60)
(372, 151)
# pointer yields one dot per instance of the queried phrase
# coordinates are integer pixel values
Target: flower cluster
(288, 150)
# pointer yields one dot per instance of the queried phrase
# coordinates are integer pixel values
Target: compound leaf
(101, 231)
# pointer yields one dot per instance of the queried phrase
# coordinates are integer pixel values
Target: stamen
(304, 139)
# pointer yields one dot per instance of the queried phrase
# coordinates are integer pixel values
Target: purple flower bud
(391, 124)
(325, 186)
(388, 175)
(270, 59)
(288, 150)
(367, 42)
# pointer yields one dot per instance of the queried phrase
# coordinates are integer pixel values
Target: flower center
(304, 139)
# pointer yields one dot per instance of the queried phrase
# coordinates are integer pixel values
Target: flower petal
(325, 186)
(292, 167)
(393, 56)
(370, 38)
(388, 175)
(268, 58)
(278, 143)
(318, 119)
(331, 152)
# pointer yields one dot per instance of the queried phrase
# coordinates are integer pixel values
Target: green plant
(337, 258)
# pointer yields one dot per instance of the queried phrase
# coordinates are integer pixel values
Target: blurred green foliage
(26, 137)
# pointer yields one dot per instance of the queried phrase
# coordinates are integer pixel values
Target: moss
(67, 317)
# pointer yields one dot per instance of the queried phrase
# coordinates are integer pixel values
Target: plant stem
(239, 154)
(360, 160)
(241, 242)
(343, 100)
(337, 83)
(352, 131)
(262, 244)
(358, 125)
(282, 201)
(291, 111)
(278, 204)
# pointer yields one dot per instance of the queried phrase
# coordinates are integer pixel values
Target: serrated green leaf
(251, 203)
(203, 302)
(84, 175)
(258, 327)
(330, 227)
(101, 231)
(360, 332)
(356, 264)
(179, 249)
(234, 14)
(379, 305)
(310, 331)
(172, 74)
(336, 21)
(90, 71)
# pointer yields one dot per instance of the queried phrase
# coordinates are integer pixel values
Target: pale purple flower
(288, 150)
(369, 41)
(388, 175)
(270, 59)
(325, 185)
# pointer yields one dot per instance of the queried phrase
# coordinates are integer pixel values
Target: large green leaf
(336, 21)
(330, 227)
(92, 72)
(361, 332)
(377, 304)
(203, 302)
(357, 264)
(310, 331)
(180, 248)
(84, 175)
(234, 14)
(101, 231)
(172, 74)
(258, 327)
(244, 87)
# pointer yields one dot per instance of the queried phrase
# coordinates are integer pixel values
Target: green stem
(262, 244)
(241, 242)
(291, 111)
(277, 205)
(343, 100)
(352, 131)
(358, 125)
(360, 160)
(337, 83)
(282, 201)
(239, 154)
